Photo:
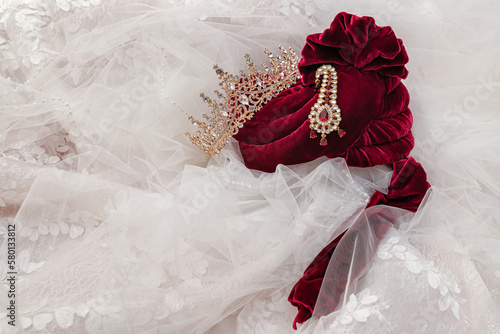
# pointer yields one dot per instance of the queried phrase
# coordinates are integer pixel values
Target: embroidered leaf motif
(25, 322)
(414, 267)
(64, 227)
(64, 317)
(399, 248)
(82, 310)
(75, 75)
(393, 240)
(200, 267)
(346, 319)
(25, 232)
(41, 320)
(361, 315)
(74, 216)
(384, 255)
(109, 207)
(400, 256)
(351, 305)
(434, 279)
(368, 300)
(23, 258)
(454, 286)
(34, 236)
(173, 302)
(356, 309)
(53, 229)
(43, 229)
(410, 256)
(443, 289)
(454, 309)
(444, 303)
(75, 231)
(32, 266)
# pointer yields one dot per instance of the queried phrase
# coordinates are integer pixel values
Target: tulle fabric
(123, 226)
(435, 283)
(99, 256)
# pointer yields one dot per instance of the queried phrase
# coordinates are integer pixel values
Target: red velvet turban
(370, 63)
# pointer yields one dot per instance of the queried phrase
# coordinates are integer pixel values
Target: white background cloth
(123, 226)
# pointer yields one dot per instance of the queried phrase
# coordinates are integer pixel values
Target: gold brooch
(324, 116)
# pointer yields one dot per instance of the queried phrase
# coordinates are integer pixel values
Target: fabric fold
(407, 189)
(370, 63)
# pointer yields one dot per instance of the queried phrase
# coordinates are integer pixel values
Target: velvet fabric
(370, 63)
(406, 190)
(305, 292)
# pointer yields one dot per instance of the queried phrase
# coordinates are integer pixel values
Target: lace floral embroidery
(172, 303)
(22, 29)
(56, 147)
(447, 286)
(95, 313)
(186, 262)
(358, 309)
(73, 223)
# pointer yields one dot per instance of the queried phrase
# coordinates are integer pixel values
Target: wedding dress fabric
(123, 226)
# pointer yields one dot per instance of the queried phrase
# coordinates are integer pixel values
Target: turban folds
(370, 62)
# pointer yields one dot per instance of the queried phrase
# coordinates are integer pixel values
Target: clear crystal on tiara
(243, 95)
(244, 99)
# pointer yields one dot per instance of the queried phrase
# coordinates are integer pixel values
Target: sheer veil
(123, 226)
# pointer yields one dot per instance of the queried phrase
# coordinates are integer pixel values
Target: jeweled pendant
(325, 115)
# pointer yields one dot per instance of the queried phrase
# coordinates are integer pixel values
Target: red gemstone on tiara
(341, 133)
(312, 134)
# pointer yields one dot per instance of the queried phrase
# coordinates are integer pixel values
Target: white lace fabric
(123, 226)
(431, 288)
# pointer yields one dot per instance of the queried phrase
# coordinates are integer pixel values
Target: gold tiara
(243, 96)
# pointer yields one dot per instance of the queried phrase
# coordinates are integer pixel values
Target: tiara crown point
(244, 96)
